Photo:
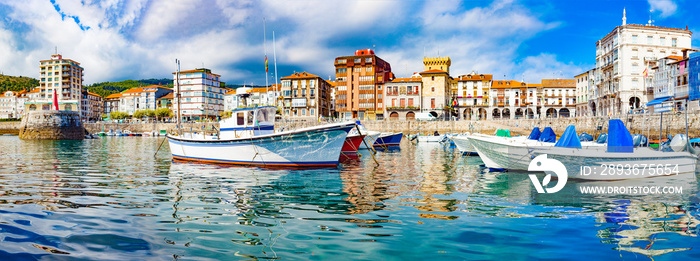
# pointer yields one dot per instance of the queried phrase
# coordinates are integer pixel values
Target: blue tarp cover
(569, 139)
(535, 134)
(658, 100)
(585, 137)
(548, 135)
(619, 138)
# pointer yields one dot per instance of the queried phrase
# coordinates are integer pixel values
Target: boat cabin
(248, 122)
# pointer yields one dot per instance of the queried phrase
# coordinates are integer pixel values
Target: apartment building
(141, 98)
(402, 97)
(472, 95)
(64, 77)
(201, 94)
(12, 104)
(92, 106)
(305, 96)
(624, 56)
(359, 79)
(584, 90)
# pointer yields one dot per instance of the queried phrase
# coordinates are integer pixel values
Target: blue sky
(118, 40)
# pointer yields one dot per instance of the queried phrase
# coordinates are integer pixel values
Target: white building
(202, 96)
(473, 94)
(621, 59)
(584, 90)
(142, 98)
(12, 104)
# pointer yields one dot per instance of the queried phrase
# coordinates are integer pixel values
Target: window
(313, 112)
(240, 118)
(357, 60)
(674, 42)
(432, 78)
(650, 40)
(303, 84)
(368, 69)
(662, 41)
(358, 69)
(342, 70)
(410, 102)
(303, 112)
(312, 92)
(393, 102)
(368, 60)
(312, 83)
(634, 39)
(432, 89)
(432, 103)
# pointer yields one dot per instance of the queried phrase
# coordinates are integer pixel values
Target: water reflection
(112, 198)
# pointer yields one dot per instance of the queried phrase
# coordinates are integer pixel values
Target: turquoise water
(112, 199)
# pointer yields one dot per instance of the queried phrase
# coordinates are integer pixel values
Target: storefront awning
(658, 100)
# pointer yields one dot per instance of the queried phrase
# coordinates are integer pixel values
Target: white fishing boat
(615, 161)
(463, 145)
(430, 138)
(248, 138)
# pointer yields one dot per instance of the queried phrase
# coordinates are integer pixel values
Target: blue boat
(388, 139)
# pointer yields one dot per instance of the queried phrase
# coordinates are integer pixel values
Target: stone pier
(51, 125)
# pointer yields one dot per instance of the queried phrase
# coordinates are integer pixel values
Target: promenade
(647, 125)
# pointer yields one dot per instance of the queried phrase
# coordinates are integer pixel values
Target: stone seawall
(648, 125)
(51, 125)
(9, 127)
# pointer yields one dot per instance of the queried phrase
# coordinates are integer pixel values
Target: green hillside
(17, 83)
(104, 89)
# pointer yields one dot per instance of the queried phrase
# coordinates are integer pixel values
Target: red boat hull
(352, 143)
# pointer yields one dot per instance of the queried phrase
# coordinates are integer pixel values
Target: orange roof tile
(411, 79)
(114, 95)
(476, 77)
(433, 71)
(561, 83)
(507, 84)
(231, 92)
(35, 90)
(300, 75)
(167, 96)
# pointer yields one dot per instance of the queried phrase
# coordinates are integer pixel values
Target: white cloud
(666, 7)
(141, 39)
(546, 66)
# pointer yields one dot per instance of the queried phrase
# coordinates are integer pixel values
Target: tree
(118, 115)
(163, 113)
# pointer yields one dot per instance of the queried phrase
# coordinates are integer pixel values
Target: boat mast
(177, 83)
(267, 91)
(274, 53)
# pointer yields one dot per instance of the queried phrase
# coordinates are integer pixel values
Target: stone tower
(437, 63)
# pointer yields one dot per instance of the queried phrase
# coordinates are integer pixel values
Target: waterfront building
(473, 95)
(12, 104)
(402, 97)
(437, 86)
(507, 99)
(232, 99)
(166, 101)
(559, 97)
(141, 98)
(670, 80)
(63, 77)
(202, 94)
(584, 89)
(111, 103)
(305, 96)
(624, 56)
(92, 106)
(359, 80)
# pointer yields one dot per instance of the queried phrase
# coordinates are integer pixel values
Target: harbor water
(120, 198)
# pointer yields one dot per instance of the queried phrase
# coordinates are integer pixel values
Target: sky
(118, 40)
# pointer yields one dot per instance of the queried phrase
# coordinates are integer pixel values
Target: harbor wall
(51, 125)
(645, 124)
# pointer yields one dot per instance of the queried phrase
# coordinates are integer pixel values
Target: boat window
(241, 118)
(250, 117)
(262, 116)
